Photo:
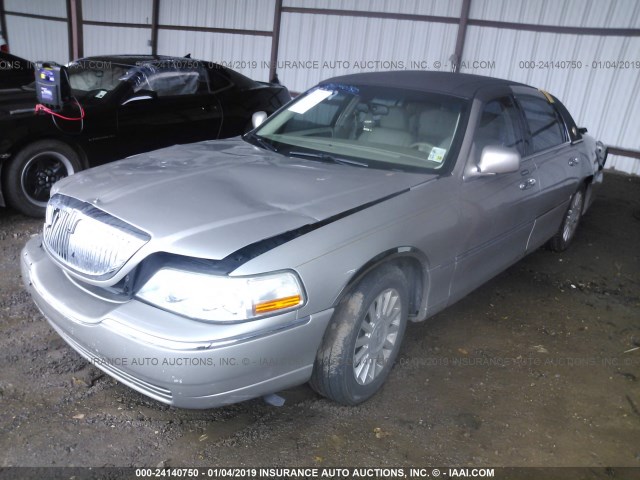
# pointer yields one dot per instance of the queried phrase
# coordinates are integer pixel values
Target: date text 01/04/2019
(313, 472)
(578, 65)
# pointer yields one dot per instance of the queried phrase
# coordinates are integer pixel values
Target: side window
(167, 81)
(499, 125)
(544, 122)
(217, 79)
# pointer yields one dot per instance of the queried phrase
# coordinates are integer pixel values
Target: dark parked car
(301, 251)
(14, 71)
(132, 104)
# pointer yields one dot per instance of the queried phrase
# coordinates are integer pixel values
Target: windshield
(95, 79)
(379, 127)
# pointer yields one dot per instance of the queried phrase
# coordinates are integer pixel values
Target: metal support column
(275, 41)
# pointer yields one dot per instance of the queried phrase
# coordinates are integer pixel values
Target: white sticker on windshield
(101, 93)
(437, 154)
(309, 101)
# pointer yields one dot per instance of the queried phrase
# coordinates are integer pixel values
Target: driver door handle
(528, 183)
(574, 161)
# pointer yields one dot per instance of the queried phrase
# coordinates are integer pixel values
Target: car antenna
(188, 55)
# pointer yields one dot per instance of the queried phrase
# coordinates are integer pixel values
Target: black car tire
(567, 231)
(31, 173)
(350, 340)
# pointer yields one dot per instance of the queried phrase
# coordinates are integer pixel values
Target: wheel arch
(13, 195)
(413, 263)
(18, 146)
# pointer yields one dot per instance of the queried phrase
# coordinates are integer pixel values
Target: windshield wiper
(264, 143)
(325, 157)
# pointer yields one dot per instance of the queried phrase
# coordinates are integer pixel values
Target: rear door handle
(528, 183)
(574, 161)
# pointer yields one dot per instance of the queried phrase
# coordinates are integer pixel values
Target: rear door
(497, 210)
(557, 161)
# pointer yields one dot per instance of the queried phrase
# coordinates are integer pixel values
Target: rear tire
(363, 338)
(33, 171)
(567, 231)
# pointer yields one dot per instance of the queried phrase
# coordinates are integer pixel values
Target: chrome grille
(87, 240)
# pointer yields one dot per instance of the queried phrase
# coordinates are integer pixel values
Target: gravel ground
(529, 370)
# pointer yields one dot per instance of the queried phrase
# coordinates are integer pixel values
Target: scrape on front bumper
(172, 359)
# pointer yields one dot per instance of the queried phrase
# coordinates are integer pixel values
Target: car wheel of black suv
(567, 231)
(363, 338)
(32, 172)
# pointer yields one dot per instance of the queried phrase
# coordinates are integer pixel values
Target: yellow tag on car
(547, 95)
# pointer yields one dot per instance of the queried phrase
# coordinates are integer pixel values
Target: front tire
(33, 171)
(567, 231)
(363, 338)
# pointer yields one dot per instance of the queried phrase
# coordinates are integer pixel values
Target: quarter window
(217, 79)
(168, 80)
(545, 125)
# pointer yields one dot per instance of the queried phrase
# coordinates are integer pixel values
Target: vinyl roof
(460, 84)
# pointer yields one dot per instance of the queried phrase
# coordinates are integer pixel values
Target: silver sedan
(211, 273)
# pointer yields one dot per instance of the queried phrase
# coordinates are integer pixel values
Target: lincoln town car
(215, 272)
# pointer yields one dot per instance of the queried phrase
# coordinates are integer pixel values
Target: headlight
(221, 298)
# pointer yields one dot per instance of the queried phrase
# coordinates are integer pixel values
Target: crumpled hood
(212, 198)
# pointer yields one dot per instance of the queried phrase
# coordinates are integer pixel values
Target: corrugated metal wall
(103, 39)
(316, 45)
(601, 96)
(245, 53)
(340, 45)
(38, 39)
(313, 47)
(237, 14)
(567, 13)
(122, 11)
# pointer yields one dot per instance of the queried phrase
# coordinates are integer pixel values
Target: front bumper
(181, 362)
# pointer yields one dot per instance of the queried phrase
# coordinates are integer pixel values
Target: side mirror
(496, 159)
(141, 95)
(258, 119)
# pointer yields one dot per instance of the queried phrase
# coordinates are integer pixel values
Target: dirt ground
(536, 368)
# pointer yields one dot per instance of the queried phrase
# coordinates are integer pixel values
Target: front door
(497, 210)
(168, 106)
